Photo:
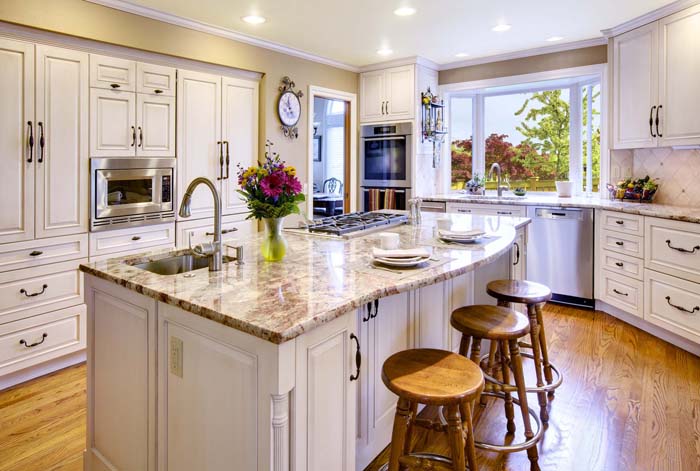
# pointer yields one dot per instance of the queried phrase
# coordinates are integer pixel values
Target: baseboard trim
(42, 369)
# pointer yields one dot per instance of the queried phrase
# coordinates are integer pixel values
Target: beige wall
(526, 65)
(91, 21)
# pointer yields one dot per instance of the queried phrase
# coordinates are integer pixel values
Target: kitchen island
(271, 366)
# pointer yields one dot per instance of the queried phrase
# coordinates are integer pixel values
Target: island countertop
(319, 280)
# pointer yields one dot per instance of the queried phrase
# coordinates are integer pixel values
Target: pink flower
(272, 185)
(293, 185)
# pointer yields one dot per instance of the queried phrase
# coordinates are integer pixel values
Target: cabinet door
(62, 166)
(372, 96)
(518, 269)
(635, 87)
(199, 130)
(400, 92)
(155, 125)
(155, 79)
(16, 157)
(112, 73)
(112, 123)
(325, 397)
(240, 135)
(679, 94)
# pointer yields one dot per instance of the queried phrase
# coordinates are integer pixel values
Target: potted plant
(271, 191)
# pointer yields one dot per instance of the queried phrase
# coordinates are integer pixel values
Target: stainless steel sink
(176, 264)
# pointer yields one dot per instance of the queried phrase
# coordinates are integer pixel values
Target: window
(538, 133)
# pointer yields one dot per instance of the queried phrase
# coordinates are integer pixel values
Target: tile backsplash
(678, 172)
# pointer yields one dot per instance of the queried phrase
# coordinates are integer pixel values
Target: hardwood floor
(629, 402)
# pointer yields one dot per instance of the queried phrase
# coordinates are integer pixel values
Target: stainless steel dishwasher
(560, 253)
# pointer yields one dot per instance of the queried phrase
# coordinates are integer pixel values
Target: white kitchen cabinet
(155, 125)
(155, 79)
(233, 228)
(673, 304)
(655, 93)
(112, 123)
(388, 95)
(33, 253)
(673, 247)
(62, 163)
(518, 270)
(17, 127)
(487, 209)
(112, 73)
(132, 239)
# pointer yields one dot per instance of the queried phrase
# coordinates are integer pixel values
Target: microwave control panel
(166, 191)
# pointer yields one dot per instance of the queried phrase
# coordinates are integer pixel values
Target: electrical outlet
(176, 356)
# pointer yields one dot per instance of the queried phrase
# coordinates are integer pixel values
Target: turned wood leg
(455, 437)
(398, 435)
(535, 340)
(409, 432)
(468, 424)
(543, 347)
(476, 353)
(516, 362)
(508, 399)
(464, 346)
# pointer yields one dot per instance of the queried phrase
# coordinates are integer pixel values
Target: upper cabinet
(132, 109)
(655, 92)
(388, 95)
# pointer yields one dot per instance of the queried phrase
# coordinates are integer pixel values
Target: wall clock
(289, 108)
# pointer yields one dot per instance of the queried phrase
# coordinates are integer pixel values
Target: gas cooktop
(357, 224)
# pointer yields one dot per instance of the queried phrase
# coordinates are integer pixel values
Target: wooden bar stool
(435, 378)
(533, 295)
(503, 327)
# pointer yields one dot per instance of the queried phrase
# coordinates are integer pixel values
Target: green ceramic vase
(274, 245)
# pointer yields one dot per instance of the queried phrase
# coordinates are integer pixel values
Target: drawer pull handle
(27, 345)
(681, 308)
(223, 231)
(135, 238)
(358, 358)
(681, 249)
(619, 243)
(35, 253)
(31, 295)
(619, 264)
(620, 292)
(115, 85)
(158, 92)
(619, 222)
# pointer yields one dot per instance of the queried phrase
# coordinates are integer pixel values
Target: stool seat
(490, 322)
(433, 377)
(519, 291)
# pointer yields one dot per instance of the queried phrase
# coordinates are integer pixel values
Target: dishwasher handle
(559, 213)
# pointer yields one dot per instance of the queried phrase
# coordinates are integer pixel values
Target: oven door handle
(383, 190)
(388, 138)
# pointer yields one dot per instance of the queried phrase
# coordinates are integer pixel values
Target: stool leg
(543, 348)
(469, 449)
(464, 346)
(508, 399)
(517, 363)
(476, 353)
(535, 340)
(409, 433)
(455, 437)
(398, 435)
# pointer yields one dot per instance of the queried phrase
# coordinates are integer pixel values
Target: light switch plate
(176, 356)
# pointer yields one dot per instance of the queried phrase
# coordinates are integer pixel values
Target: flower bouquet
(271, 191)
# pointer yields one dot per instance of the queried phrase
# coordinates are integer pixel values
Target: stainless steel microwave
(385, 155)
(131, 191)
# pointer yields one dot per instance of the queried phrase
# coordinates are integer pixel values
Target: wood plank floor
(629, 402)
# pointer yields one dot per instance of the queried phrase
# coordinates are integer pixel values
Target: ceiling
(352, 31)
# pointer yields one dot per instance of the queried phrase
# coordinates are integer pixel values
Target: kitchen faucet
(498, 175)
(211, 250)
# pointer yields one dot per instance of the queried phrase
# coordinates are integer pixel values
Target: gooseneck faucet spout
(498, 174)
(213, 250)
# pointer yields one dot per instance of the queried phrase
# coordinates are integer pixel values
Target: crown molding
(413, 60)
(525, 53)
(650, 17)
(164, 17)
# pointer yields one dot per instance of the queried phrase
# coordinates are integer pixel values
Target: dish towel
(374, 199)
(390, 199)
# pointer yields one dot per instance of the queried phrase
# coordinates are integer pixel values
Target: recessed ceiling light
(405, 11)
(461, 54)
(554, 38)
(384, 51)
(254, 19)
(501, 28)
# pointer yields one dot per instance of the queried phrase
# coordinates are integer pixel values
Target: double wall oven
(385, 162)
(131, 191)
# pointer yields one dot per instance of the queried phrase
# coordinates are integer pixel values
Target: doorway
(332, 146)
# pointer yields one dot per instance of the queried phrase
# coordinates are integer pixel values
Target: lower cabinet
(673, 303)
(191, 233)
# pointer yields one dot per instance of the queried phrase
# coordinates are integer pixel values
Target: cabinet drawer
(131, 239)
(622, 264)
(129, 253)
(112, 73)
(36, 339)
(673, 304)
(673, 247)
(621, 222)
(191, 233)
(487, 209)
(622, 292)
(32, 253)
(155, 79)
(622, 243)
(40, 289)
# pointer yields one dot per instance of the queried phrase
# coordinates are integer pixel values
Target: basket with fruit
(475, 186)
(641, 189)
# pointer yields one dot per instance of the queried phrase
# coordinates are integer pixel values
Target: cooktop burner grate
(355, 222)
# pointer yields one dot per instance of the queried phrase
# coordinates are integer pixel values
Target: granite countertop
(319, 280)
(678, 213)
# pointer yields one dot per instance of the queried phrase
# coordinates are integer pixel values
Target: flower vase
(274, 245)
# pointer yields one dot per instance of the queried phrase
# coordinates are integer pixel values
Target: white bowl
(564, 189)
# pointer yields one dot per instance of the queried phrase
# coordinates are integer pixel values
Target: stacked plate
(401, 258)
(461, 237)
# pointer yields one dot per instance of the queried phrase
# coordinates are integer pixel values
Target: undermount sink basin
(176, 264)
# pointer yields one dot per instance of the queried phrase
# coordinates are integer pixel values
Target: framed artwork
(318, 148)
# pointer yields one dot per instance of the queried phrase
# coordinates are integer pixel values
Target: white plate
(400, 263)
(399, 259)
(460, 241)
(461, 238)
